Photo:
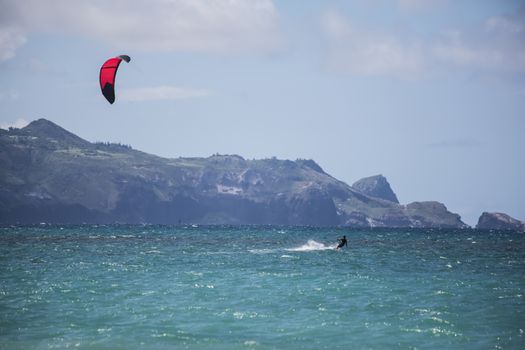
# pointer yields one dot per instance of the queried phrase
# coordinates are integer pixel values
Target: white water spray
(311, 245)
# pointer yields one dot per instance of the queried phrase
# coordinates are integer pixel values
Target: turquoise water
(156, 287)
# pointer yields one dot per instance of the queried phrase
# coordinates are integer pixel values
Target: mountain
(48, 174)
(376, 186)
(499, 221)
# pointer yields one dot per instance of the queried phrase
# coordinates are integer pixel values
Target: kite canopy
(108, 72)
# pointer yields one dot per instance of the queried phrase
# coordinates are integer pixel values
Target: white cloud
(161, 93)
(461, 54)
(505, 24)
(370, 53)
(11, 38)
(9, 95)
(420, 4)
(336, 26)
(210, 26)
(19, 123)
(455, 143)
(496, 46)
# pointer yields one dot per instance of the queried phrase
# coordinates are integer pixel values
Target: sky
(429, 93)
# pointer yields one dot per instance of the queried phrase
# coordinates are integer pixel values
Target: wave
(311, 245)
(262, 251)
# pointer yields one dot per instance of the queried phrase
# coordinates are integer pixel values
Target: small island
(499, 221)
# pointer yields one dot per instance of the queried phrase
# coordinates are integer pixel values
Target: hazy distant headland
(48, 174)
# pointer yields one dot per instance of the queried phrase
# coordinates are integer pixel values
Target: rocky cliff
(376, 186)
(48, 174)
(499, 221)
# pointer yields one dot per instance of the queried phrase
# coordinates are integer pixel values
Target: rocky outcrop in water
(48, 174)
(499, 221)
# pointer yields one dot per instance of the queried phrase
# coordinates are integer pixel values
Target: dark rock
(499, 221)
(424, 214)
(309, 163)
(377, 187)
(45, 129)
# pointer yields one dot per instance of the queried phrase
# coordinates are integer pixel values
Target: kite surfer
(342, 242)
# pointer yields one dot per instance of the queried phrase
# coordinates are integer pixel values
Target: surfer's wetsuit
(342, 242)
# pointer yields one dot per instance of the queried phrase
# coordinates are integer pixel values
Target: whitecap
(239, 315)
(311, 245)
(163, 335)
(261, 251)
(104, 330)
(439, 320)
(194, 273)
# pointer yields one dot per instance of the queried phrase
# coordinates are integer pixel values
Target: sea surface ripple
(225, 287)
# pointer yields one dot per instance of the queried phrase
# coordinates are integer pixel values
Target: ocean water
(162, 287)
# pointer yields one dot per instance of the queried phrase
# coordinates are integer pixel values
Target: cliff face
(48, 174)
(376, 186)
(499, 221)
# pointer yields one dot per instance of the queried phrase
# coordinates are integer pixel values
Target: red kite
(108, 71)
